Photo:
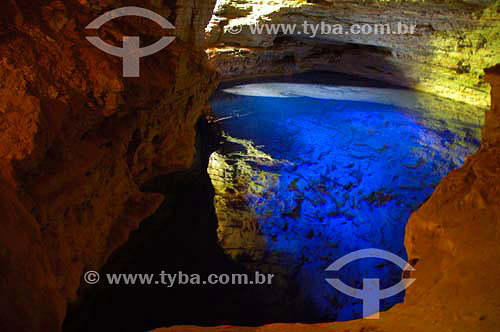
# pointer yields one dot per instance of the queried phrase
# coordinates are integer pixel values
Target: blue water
(350, 174)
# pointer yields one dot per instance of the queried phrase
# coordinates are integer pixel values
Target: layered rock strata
(452, 43)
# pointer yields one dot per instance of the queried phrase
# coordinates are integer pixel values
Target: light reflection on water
(319, 176)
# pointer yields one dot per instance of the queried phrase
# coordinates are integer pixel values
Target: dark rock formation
(179, 236)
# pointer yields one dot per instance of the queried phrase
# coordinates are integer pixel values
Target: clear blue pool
(347, 176)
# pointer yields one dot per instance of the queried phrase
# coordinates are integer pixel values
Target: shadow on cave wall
(180, 236)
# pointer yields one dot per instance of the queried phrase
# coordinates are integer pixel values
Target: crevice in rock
(179, 236)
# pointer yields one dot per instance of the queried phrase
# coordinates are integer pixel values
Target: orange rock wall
(77, 141)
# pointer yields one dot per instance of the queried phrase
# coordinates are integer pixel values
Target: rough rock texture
(453, 42)
(453, 238)
(179, 236)
(78, 140)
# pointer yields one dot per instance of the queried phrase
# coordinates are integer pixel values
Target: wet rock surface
(179, 237)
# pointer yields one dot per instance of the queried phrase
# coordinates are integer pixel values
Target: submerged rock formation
(78, 141)
(317, 177)
(452, 44)
(452, 241)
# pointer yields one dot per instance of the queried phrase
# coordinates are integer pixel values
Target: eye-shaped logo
(131, 52)
(371, 292)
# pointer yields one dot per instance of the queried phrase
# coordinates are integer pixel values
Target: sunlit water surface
(336, 169)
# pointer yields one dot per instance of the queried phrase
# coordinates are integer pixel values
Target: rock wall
(179, 236)
(453, 42)
(79, 140)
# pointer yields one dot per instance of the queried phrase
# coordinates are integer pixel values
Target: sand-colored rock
(452, 44)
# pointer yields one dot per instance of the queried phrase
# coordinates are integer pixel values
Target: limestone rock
(452, 44)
